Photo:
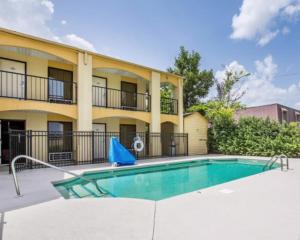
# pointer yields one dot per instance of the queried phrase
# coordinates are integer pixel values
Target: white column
(155, 142)
(180, 105)
(84, 92)
(155, 102)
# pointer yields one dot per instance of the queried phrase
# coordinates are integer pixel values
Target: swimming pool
(159, 181)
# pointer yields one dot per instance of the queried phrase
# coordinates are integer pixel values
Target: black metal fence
(29, 87)
(75, 148)
(169, 106)
(114, 98)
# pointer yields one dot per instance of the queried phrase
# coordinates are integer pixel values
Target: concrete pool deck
(262, 206)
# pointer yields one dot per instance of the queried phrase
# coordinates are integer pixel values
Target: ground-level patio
(262, 206)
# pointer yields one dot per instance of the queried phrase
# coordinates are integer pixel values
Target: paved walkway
(261, 207)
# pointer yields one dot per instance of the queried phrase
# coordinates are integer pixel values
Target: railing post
(106, 96)
(9, 147)
(187, 143)
(29, 145)
(93, 146)
(25, 89)
(149, 102)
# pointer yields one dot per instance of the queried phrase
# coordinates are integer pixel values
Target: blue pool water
(160, 181)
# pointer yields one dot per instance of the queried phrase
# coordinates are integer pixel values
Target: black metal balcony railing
(169, 106)
(74, 148)
(29, 87)
(114, 98)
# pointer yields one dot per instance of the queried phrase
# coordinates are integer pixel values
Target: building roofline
(271, 104)
(84, 50)
(191, 113)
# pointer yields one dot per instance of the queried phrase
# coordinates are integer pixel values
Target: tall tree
(228, 91)
(196, 83)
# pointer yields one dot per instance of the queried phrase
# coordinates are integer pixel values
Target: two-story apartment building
(275, 112)
(62, 104)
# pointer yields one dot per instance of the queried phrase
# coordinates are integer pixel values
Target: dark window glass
(60, 137)
(127, 134)
(60, 84)
(129, 95)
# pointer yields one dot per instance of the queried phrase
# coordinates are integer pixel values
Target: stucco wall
(196, 126)
(113, 124)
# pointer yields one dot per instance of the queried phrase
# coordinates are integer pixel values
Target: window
(284, 115)
(60, 86)
(297, 116)
(59, 137)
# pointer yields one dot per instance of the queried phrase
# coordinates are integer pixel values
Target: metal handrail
(274, 159)
(281, 157)
(29, 91)
(48, 165)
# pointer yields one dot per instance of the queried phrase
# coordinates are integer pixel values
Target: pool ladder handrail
(275, 158)
(48, 165)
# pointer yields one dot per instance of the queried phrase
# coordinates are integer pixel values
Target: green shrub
(254, 136)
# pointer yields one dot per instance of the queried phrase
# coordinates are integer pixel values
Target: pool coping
(148, 163)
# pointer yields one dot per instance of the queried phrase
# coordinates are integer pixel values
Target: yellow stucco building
(196, 126)
(48, 87)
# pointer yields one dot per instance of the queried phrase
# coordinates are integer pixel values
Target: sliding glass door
(60, 87)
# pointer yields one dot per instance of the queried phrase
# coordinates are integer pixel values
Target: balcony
(29, 87)
(117, 99)
(169, 106)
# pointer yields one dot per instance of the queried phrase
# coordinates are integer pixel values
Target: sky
(261, 37)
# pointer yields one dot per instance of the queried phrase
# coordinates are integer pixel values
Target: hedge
(255, 137)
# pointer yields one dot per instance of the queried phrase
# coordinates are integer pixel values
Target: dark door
(15, 144)
(129, 95)
(127, 134)
(167, 139)
(60, 144)
(60, 87)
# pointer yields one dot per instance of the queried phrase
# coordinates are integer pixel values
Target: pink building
(276, 112)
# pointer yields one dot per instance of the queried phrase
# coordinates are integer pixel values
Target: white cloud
(292, 9)
(63, 22)
(297, 105)
(267, 37)
(234, 67)
(285, 30)
(257, 19)
(48, 4)
(261, 89)
(259, 86)
(29, 16)
(32, 17)
(77, 41)
(220, 75)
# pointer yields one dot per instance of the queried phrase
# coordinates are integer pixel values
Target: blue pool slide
(118, 154)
